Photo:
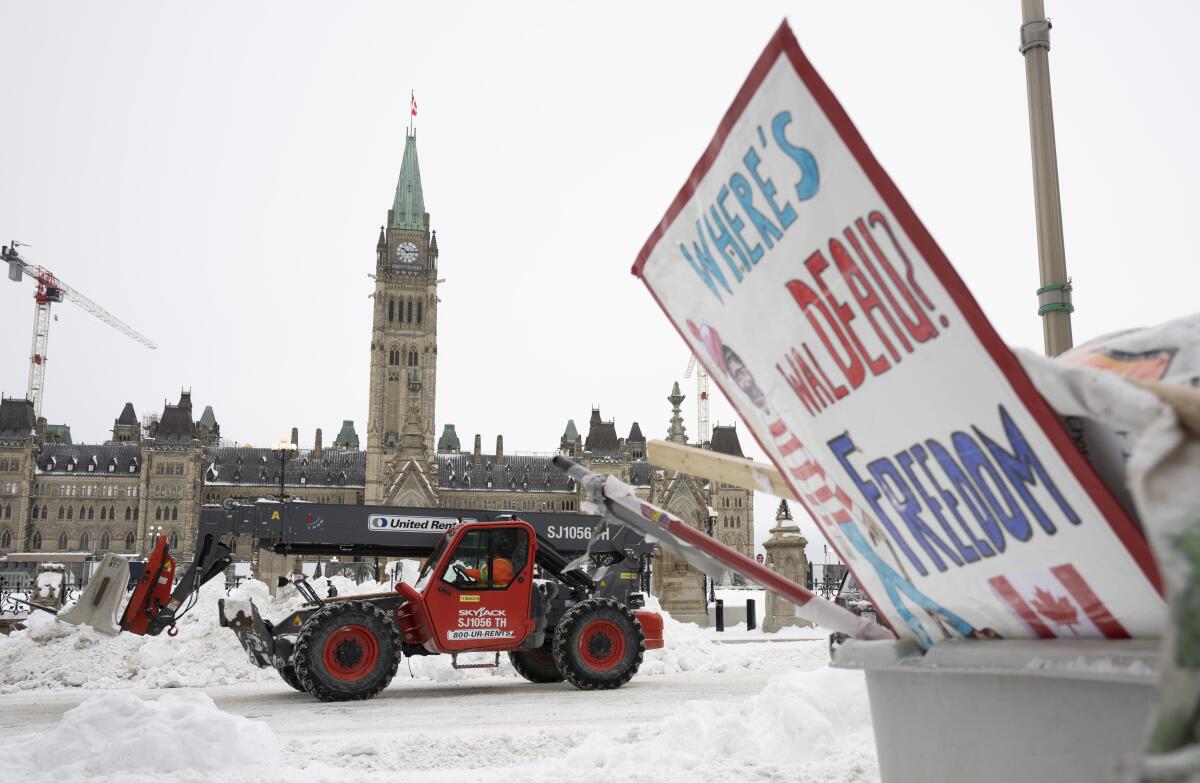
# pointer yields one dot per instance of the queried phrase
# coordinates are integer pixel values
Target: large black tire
(288, 673)
(599, 644)
(536, 665)
(347, 650)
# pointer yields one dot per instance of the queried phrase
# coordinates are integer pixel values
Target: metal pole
(1054, 294)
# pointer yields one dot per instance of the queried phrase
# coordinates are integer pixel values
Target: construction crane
(702, 425)
(50, 290)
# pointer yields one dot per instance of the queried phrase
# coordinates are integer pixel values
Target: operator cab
(475, 588)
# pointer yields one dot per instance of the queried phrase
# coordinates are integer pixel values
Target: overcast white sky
(215, 174)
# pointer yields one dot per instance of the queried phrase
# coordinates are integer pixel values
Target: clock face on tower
(406, 253)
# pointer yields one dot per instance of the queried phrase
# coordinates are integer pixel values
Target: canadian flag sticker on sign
(1056, 602)
(803, 281)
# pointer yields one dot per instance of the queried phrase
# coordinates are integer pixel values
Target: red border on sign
(784, 43)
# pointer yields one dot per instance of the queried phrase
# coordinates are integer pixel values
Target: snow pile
(120, 733)
(804, 726)
(52, 655)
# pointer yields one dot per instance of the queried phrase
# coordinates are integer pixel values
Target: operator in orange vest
(502, 564)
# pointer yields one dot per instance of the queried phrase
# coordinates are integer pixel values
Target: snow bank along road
(697, 711)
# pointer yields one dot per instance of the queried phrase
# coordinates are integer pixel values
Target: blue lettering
(901, 498)
(843, 445)
(722, 240)
(906, 462)
(787, 215)
(969, 494)
(977, 464)
(737, 225)
(1022, 467)
(810, 179)
(766, 229)
(949, 500)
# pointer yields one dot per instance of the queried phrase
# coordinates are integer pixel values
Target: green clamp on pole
(1055, 297)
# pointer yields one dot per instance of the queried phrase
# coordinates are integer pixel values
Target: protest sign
(825, 312)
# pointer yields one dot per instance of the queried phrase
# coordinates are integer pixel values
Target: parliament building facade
(151, 478)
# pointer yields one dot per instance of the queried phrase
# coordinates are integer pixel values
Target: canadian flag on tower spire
(414, 103)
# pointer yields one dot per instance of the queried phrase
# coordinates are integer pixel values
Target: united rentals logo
(382, 523)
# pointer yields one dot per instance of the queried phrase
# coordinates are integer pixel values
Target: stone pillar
(296, 437)
(680, 590)
(786, 557)
(478, 446)
(317, 446)
(499, 449)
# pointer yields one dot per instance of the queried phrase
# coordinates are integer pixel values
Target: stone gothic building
(56, 495)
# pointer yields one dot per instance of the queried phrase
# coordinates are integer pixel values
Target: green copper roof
(60, 433)
(408, 210)
(449, 440)
(347, 438)
(208, 419)
(570, 433)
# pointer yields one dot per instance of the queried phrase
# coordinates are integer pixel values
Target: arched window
(173, 541)
(135, 513)
(83, 541)
(34, 512)
(391, 310)
(129, 541)
(103, 513)
(70, 512)
(62, 541)
(158, 513)
(35, 543)
(112, 512)
(128, 513)
(104, 541)
(5, 540)
(8, 510)
(46, 516)
(175, 514)
(419, 303)
(410, 317)
(412, 357)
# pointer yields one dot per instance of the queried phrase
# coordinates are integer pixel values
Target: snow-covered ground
(75, 704)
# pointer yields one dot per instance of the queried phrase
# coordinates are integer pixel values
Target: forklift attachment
(101, 599)
(152, 595)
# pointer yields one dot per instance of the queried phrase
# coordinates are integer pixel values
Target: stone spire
(408, 208)
(412, 440)
(676, 432)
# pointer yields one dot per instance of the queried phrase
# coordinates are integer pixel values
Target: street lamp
(283, 451)
(152, 533)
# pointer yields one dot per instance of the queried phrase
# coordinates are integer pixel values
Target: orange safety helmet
(502, 573)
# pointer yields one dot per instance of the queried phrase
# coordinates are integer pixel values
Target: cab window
(487, 559)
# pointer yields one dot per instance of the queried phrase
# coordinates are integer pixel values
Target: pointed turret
(347, 438)
(408, 208)
(449, 439)
(128, 416)
(676, 432)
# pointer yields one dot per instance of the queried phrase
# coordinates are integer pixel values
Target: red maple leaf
(1059, 611)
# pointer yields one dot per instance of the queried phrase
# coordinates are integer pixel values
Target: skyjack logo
(482, 611)
(1056, 602)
